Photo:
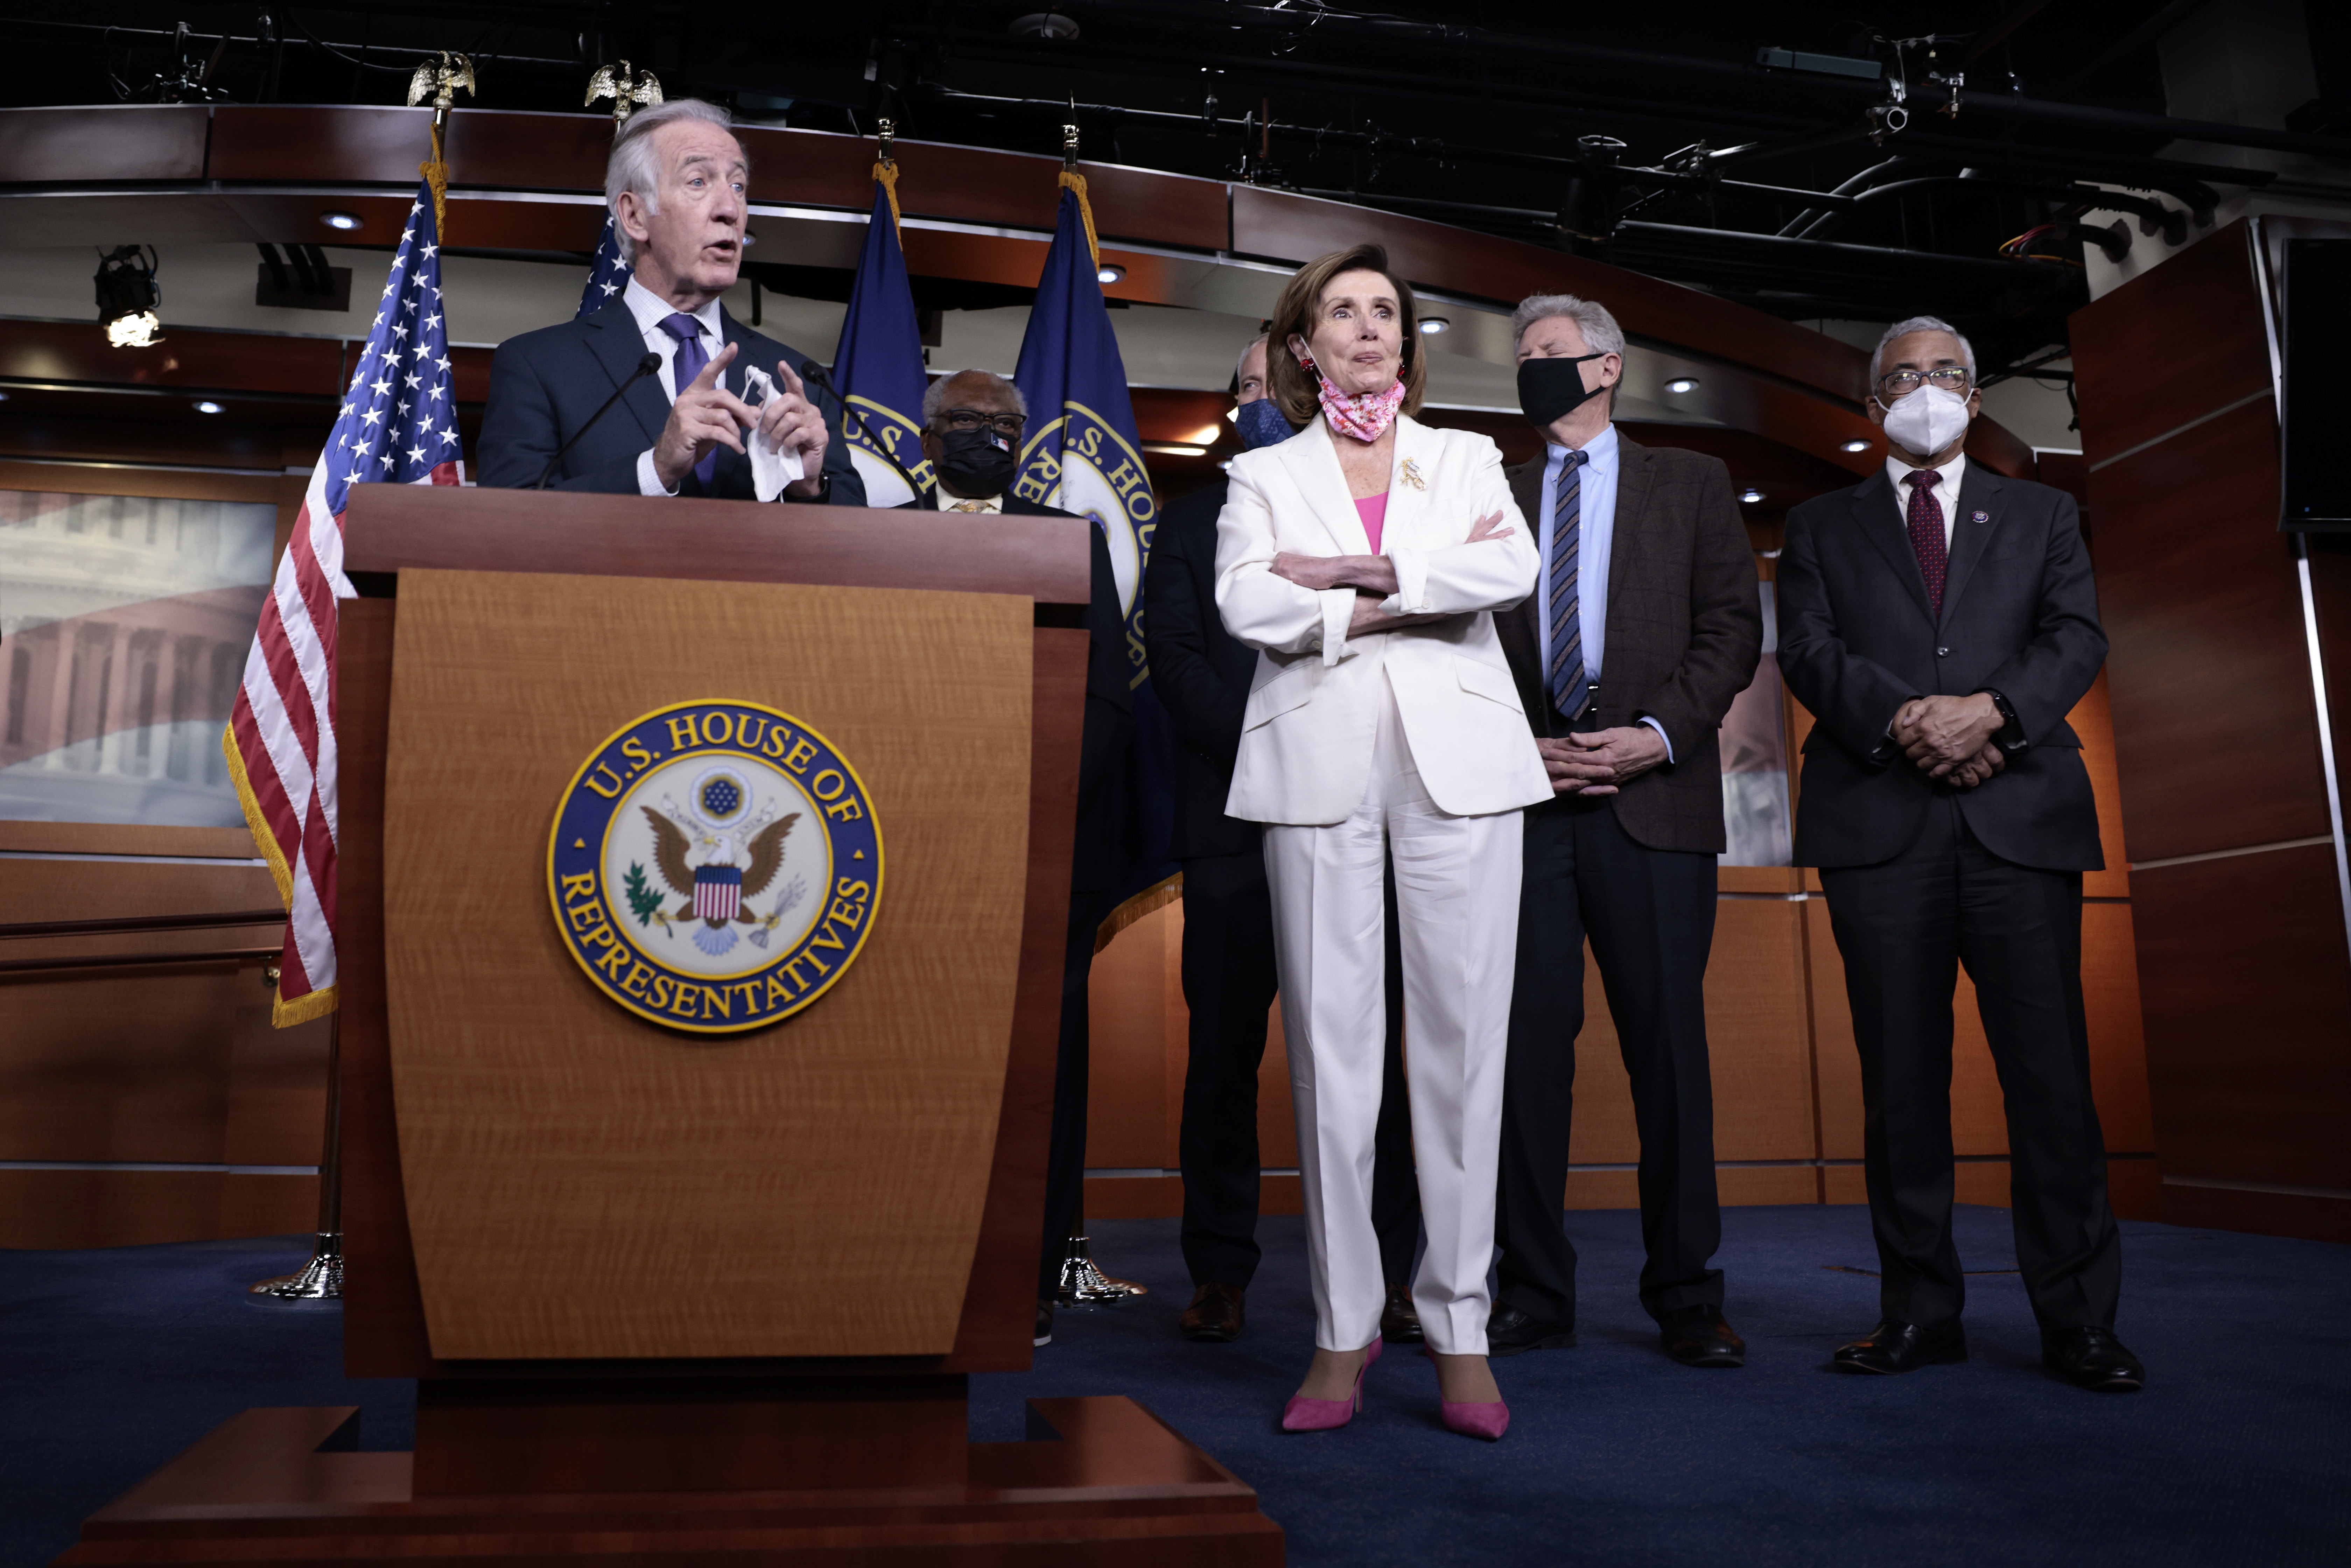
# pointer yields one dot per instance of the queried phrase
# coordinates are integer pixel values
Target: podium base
(1116, 1486)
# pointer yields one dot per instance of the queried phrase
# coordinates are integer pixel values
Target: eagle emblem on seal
(715, 890)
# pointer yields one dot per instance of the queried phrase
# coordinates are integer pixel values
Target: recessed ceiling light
(1682, 384)
(1750, 495)
(338, 220)
(208, 407)
(1856, 445)
(1432, 325)
(4, 397)
(1110, 273)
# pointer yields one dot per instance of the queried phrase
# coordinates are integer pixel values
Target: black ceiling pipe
(2154, 217)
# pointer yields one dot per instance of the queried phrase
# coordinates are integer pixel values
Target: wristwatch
(2009, 735)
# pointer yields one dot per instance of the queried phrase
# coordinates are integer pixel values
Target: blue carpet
(115, 1361)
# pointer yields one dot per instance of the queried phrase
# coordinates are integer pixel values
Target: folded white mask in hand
(772, 468)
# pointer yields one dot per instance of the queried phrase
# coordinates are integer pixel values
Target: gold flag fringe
(1073, 181)
(317, 1004)
(436, 174)
(1151, 900)
(886, 173)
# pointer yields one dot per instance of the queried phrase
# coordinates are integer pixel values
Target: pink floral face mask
(1363, 415)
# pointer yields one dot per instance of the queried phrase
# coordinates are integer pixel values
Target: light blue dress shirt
(1596, 525)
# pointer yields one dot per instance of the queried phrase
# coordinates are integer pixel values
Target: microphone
(645, 367)
(816, 375)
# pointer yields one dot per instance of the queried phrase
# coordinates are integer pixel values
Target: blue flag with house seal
(1082, 454)
(879, 365)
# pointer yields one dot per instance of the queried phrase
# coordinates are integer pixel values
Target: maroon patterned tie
(1927, 533)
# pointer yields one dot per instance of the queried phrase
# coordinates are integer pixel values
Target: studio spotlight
(207, 405)
(1432, 325)
(343, 221)
(1856, 445)
(1110, 273)
(127, 296)
(1682, 384)
(1750, 495)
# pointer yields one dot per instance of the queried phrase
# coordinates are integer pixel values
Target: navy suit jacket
(1858, 638)
(1108, 737)
(546, 385)
(1201, 675)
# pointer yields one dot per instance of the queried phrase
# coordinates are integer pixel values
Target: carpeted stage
(2238, 1452)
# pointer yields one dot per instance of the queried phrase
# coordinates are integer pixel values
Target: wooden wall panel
(2246, 984)
(61, 146)
(2215, 725)
(108, 1207)
(1758, 1034)
(2140, 368)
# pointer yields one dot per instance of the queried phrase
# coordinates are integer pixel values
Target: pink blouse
(1374, 510)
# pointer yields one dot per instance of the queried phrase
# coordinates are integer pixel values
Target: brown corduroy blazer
(1684, 632)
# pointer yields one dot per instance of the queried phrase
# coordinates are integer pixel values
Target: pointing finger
(717, 368)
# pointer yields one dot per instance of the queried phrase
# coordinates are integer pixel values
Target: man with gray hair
(677, 186)
(1939, 621)
(1644, 623)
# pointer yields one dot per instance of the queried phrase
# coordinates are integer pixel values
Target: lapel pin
(1981, 518)
(1412, 474)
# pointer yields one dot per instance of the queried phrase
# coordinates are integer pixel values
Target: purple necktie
(1927, 533)
(683, 369)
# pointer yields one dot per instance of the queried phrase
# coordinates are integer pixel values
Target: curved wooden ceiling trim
(532, 181)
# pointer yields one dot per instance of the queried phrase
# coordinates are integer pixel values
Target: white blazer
(1313, 703)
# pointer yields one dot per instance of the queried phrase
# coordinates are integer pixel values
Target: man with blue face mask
(1939, 621)
(1202, 676)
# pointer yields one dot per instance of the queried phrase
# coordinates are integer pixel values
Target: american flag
(718, 891)
(398, 426)
(607, 275)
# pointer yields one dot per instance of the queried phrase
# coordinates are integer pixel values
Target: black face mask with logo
(977, 462)
(1551, 390)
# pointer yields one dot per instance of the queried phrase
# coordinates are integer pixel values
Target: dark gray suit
(1922, 877)
(545, 386)
(1634, 872)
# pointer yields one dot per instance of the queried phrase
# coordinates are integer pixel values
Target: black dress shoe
(1044, 1324)
(1215, 1314)
(1399, 1320)
(1896, 1346)
(1700, 1336)
(2093, 1358)
(1511, 1332)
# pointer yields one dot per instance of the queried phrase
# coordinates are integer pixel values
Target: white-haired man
(1940, 621)
(1644, 623)
(677, 186)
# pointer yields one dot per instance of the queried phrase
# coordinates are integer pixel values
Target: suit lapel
(1409, 503)
(1979, 497)
(1878, 513)
(1633, 477)
(618, 345)
(1526, 489)
(1313, 463)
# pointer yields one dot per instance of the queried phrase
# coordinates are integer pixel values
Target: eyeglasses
(1901, 383)
(1011, 424)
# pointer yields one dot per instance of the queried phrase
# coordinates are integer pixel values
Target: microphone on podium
(645, 367)
(816, 375)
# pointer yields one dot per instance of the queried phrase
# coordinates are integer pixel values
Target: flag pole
(322, 1279)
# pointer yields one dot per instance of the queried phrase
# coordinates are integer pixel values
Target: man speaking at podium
(664, 350)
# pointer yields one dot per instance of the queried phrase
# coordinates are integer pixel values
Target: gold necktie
(969, 507)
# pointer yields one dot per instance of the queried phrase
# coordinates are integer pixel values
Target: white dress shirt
(651, 310)
(1596, 526)
(1947, 492)
(970, 504)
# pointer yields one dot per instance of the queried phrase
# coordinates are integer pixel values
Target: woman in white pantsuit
(1362, 558)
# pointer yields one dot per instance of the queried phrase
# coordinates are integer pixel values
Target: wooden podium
(670, 1295)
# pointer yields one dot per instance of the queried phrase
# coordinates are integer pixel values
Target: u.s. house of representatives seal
(715, 867)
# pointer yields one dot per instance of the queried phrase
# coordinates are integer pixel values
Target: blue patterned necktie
(1567, 683)
(688, 364)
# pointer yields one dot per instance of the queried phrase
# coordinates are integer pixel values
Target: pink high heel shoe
(1488, 1420)
(1304, 1415)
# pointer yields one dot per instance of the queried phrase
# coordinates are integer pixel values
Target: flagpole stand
(322, 1279)
(1083, 1284)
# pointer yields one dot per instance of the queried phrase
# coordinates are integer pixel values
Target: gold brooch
(1412, 474)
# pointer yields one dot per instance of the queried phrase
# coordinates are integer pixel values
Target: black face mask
(977, 462)
(1553, 389)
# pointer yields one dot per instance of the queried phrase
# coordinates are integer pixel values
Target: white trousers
(1457, 902)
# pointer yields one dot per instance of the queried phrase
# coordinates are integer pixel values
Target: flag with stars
(607, 275)
(398, 426)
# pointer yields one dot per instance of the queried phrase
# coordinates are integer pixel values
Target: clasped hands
(706, 415)
(1373, 577)
(1951, 738)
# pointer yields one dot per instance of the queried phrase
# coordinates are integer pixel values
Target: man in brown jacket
(1646, 565)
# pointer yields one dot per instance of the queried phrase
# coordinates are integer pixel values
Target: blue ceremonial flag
(1083, 455)
(608, 275)
(878, 367)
